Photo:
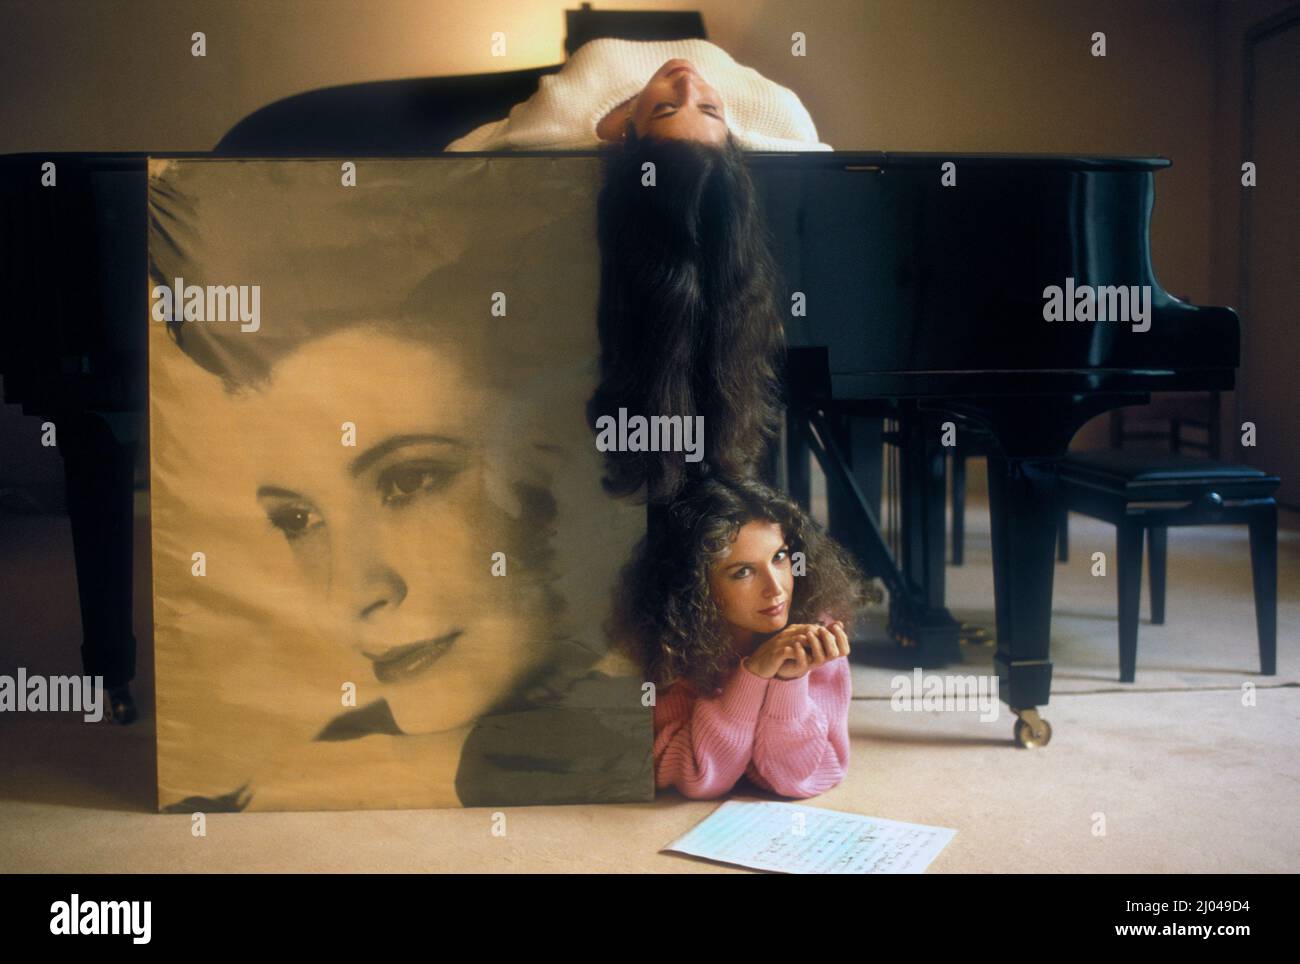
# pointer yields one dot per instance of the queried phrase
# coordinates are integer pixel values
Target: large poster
(383, 562)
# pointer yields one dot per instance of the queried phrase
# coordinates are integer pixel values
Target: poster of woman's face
(383, 561)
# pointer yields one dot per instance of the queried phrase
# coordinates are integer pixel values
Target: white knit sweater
(562, 115)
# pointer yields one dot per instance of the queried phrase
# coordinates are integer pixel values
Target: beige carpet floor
(1170, 773)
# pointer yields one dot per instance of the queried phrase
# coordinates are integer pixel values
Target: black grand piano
(927, 279)
(924, 303)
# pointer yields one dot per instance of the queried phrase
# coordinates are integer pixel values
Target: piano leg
(99, 471)
(926, 623)
(1024, 495)
(1025, 501)
(798, 468)
(958, 507)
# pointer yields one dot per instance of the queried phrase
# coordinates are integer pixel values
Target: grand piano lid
(836, 159)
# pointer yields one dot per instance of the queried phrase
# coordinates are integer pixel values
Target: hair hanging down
(688, 318)
(666, 617)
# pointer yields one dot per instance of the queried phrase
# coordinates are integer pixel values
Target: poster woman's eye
(295, 521)
(403, 482)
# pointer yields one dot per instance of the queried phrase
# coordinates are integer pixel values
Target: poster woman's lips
(406, 662)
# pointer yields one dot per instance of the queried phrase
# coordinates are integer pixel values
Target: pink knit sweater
(790, 737)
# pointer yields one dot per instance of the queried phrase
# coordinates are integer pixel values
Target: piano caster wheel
(1032, 730)
(972, 635)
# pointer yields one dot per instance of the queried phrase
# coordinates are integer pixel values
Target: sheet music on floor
(793, 839)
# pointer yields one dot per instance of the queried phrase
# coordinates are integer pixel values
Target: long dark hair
(688, 318)
(666, 617)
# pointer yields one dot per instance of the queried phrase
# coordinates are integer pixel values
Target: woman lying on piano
(621, 91)
(689, 314)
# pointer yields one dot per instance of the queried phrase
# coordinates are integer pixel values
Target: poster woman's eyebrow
(277, 493)
(372, 455)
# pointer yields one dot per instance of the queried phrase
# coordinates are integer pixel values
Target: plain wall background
(909, 75)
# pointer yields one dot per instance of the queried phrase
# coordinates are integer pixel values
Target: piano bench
(1151, 491)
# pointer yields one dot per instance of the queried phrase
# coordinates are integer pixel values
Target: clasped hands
(797, 649)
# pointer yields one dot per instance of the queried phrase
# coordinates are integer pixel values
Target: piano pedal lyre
(1031, 729)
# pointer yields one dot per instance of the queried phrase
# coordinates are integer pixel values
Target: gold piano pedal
(972, 635)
